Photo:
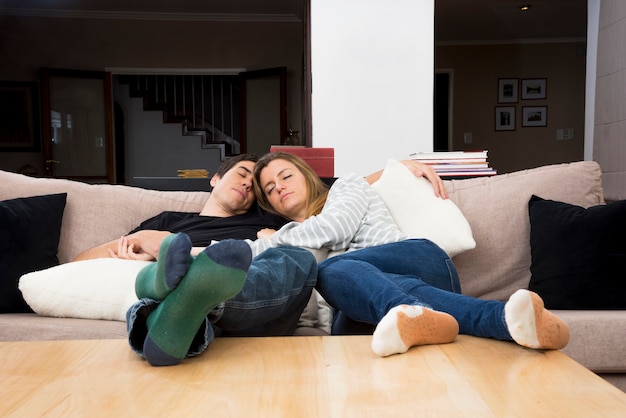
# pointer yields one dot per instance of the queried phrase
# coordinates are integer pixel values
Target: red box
(321, 160)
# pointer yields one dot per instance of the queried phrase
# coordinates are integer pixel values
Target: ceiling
(456, 21)
(502, 20)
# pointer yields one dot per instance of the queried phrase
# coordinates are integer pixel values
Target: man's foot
(406, 326)
(533, 326)
(216, 275)
(158, 279)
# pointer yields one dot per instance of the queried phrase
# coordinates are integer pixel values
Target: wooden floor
(301, 377)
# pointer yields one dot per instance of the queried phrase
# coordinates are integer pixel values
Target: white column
(372, 64)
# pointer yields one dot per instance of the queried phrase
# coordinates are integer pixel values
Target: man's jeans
(365, 284)
(276, 291)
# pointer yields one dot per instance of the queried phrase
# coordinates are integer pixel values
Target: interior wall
(372, 80)
(609, 146)
(28, 43)
(476, 70)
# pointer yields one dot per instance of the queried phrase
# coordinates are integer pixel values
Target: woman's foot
(533, 326)
(406, 326)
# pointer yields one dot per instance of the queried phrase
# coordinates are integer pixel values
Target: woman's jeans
(365, 284)
(276, 291)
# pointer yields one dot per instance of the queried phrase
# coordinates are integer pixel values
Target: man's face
(233, 192)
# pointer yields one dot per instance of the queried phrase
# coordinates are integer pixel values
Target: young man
(231, 212)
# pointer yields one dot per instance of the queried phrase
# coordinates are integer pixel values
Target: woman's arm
(419, 170)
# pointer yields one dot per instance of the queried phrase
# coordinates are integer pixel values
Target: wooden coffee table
(301, 377)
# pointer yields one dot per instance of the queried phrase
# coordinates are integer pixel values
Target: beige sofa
(495, 207)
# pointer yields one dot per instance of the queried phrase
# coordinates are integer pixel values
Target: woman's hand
(265, 233)
(420, 169)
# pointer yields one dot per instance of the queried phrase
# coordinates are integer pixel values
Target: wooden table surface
(301, 377)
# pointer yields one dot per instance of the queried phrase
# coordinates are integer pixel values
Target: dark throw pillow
(29, 238)
(578, 254)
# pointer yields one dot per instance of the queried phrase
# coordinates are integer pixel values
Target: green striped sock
(216, 275)
(157, 280)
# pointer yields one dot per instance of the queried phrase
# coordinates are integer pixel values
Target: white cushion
(419, 213)
(102, 288)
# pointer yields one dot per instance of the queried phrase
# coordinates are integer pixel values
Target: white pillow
(419, 213)
(102, 288)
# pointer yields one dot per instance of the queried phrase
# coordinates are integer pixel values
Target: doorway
(442, 128)
(76, 125)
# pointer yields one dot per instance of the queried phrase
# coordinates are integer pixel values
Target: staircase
(205, 105)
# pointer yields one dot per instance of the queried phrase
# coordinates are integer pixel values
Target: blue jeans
(276, 291)
(365, 284)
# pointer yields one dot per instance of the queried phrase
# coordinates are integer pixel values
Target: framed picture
(19, 116)
(505, 118)
(535, 116)
(508, 90)
(534, 88)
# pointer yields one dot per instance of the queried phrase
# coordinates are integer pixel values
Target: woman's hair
(317, 190)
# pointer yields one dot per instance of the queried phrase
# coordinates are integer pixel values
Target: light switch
(467, 138)
(565, 134)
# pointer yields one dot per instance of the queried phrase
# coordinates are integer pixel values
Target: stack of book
(457, 163)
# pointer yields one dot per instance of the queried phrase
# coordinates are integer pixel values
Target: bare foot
(406, 326)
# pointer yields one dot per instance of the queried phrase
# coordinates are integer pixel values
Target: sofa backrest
(497, 210)
(96, 213)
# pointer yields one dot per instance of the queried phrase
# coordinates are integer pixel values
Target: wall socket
(564, 134)
(467, 138)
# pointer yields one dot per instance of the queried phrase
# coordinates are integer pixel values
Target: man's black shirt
(204, 229)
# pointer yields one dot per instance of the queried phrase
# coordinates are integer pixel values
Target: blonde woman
(405, 287)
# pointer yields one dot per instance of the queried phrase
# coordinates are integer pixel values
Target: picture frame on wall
(534, 88)
(534, 116)
(508, 90)
(505, 118)
(19, 117)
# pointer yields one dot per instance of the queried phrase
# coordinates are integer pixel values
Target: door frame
(48, 158)
(281, 74)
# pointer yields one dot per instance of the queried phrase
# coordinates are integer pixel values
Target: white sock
(533, 326)
(408, 325)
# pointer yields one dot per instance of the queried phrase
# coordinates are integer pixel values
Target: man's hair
(317, 190)
(232, 161)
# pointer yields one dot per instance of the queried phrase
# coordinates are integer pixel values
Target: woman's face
(286, 189)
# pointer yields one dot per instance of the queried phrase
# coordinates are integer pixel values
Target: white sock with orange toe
(406, 326)
(531, 324)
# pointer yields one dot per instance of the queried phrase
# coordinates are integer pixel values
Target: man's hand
(127, 251)
(142, 245)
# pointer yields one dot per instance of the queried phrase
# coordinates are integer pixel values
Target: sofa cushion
(597, 339)
(29, 238)
(578, 255)
(497, 210)
(32, 327)
(421, 214)
(97, 213)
